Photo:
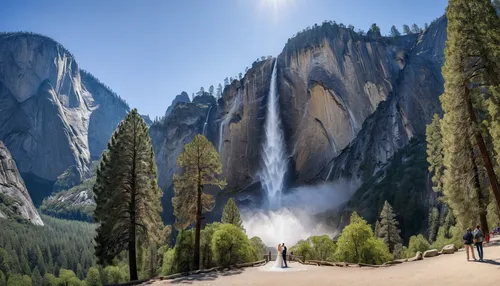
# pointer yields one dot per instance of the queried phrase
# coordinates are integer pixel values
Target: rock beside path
(418, 256)
(449, 249)
(431, 253)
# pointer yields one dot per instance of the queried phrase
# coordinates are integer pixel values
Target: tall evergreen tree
(36, 277)
(395, 32)
(435, 152)
(472, 54)
(211, 90)
(407, 29)
(200, 164)
(415, 29)
(126, 193)
(388, 228)
(231, 214)
(374, 31)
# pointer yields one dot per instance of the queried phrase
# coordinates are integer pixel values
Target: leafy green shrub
(49, 280)
(184, 251)
(357, 244)
(323, 247)
(206, 245)
(19, 280)
(168, 262)
(93, 277)
(114, 275)
(230, 245)
(302, 248)
(417, 243)
(3, 279)
(452, 236)
(259, 248)
(74, 281)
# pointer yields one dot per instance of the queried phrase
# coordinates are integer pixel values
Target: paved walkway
(452, 269)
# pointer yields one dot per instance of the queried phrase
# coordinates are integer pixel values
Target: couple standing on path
(281, 257)
(474, 238)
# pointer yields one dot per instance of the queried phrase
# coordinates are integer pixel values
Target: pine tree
(376, 230)
(79, 272)
(415, 29)
(126, 193)
(374, 31)
(211, 90)
(471, 54)
(435, 152)
(407, 29)
(433, 224)
(36, 277)
(219, 91)
(200, 164)
(395, 32)
(231, 214)
(388, 229)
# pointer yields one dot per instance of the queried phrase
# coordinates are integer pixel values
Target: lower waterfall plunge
(292, 216)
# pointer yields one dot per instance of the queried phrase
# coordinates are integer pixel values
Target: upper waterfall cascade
(273, 156)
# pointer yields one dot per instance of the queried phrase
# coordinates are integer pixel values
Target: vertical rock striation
(15, 202)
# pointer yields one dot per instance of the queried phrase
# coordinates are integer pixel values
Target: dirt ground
(451, 269)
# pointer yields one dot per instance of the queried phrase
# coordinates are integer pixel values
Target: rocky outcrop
(329, 87)
(406, 112)
(183, 97)
(15, 202)
(241, 125)
(169, 136)
(53, 115)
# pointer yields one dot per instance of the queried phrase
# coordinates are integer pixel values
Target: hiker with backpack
(478, 242)
(468, 242)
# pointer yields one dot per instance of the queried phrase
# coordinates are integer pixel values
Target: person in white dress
(279, 258)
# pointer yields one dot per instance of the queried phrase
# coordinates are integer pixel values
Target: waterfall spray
(273, 155)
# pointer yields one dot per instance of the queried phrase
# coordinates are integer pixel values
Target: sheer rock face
(409, 108)
(241, 117)
(327, 90)
(53, 116)
(14, 198)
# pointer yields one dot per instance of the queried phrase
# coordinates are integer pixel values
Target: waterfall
(273, 155)
(226, 119)
(206, 121)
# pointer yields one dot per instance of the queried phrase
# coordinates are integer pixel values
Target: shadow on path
(206, 276)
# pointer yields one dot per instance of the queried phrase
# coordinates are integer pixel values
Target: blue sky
(150, 51)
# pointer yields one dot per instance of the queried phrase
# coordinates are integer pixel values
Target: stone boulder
(449, 249)
(431, 253)
(418, 256)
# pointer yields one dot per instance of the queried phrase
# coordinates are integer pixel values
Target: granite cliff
(15, 202)
(53, 115)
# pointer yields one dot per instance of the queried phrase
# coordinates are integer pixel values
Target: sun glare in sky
(275, 6)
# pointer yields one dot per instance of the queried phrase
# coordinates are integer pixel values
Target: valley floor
(442, 270)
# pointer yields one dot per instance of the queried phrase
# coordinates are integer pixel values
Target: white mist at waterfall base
(296, 219)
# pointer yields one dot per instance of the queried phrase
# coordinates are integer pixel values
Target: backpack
(478, 235)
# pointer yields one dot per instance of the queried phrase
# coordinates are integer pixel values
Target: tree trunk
(132, 255)
(480, 197)
(488, 165)
(196, 262)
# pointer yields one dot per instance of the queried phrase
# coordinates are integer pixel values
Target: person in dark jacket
(468, 243)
